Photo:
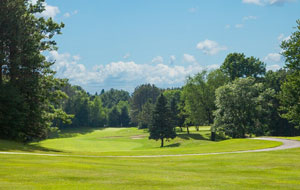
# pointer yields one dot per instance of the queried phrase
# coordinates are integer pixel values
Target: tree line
(239, 99)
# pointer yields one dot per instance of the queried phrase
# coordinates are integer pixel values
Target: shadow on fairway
(192, 136)
(6, 145)
(172, 145)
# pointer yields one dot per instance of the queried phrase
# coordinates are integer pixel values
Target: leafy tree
(114, 117)
(183, 117)
(112, 97)
(23, 38)
(236, 65)
(173, 97)
(145, 116)
(140, 96)
(290, 95)
(199, 96)
(278, 126)
(162, 127)
(123, 108)
(243, 107)
(124, 117)
(97, 116)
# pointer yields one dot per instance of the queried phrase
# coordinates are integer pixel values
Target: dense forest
(239, 99)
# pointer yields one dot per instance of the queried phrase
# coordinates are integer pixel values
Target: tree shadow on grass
(73, 132)
(6, 145)
(173, 145)
(192, 136)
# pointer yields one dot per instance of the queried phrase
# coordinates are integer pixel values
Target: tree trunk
(197, 128)
(180, 129)
(187, 129)
(162, 142)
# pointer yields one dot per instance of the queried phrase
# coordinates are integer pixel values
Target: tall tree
(199, 96)
(23, 38)
(243, 107)
(278, 126)
(112, 97)
(290, 95)
(140, 96)
(162, 126)
(114, 117)
(237, 65)
(145, 116)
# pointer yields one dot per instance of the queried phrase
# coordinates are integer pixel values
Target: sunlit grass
(264, 170)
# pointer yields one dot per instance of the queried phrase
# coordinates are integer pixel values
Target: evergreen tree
(162, 126)
(23, 38)
(114, 117)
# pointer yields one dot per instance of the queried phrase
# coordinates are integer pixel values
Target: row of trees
(238, 99)
(29, 94)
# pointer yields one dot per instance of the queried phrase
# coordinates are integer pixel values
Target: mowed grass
(131, 141)
(261, 170)
(264, 170)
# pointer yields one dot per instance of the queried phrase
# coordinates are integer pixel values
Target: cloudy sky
(124, 43)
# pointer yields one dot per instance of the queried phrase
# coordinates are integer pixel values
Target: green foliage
(114, 117)
(162, 126)
(173, 97)
(97, 114)
(12, 112)
(278, 126)
(243, 107)
(140, 96)
(23, 37)
(199, 96)
(290, 99)
(113, 97)
(236, 65)
(291, 49)
(290, 95)
(146, 115)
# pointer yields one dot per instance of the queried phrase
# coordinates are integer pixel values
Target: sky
(125, 43)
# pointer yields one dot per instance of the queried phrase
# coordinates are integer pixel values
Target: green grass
(263, 170)
(131, 141)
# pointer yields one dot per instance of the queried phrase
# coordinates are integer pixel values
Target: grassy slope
(119, 141)
(265, 170)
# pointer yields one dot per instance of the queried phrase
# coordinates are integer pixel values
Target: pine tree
(162, 126)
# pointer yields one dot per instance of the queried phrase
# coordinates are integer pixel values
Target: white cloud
(125, 75)
(126, 56)
(249, 18)
(67, 15)
(256, 2)
(172, 59)
(267, 2)
(189, 58)
(158, 59)
(278, 2)
(50, 11)
(227, 26)
(273, 57)
(210, 47)
(273, 67)
(239, 26)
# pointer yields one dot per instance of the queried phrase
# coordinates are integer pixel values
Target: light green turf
(263, 170)
(131, 141)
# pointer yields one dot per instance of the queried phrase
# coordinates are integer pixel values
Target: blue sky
(124, 43)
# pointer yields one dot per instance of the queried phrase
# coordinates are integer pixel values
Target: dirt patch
(138, 136)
